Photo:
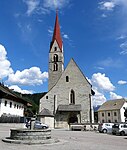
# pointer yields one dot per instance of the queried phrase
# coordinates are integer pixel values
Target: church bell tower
(56, 57)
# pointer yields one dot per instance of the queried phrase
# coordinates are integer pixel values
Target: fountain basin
(26, 134)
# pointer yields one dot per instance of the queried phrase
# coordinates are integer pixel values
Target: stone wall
(60, 93)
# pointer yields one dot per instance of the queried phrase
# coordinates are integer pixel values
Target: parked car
(39, 125)
(115, 128)
(105, 127)
(119, 129)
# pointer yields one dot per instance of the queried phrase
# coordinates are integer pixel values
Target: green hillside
(33, 99)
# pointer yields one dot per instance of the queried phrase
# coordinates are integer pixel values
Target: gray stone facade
(60, 94)
(55, 73)
(69, 94)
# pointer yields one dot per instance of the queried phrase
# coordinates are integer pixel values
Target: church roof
(112, 105)
(69, 107)
(45, 112)
(56, 34)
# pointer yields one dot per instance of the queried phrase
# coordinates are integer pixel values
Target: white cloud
(121, 82)
(102, 82)
(108, 5)
(43, 7)
(18, 89)
(32, 76)
(114, 96)
(123, 36)
(5, 65)
(109, 62)
(120, 7)
(55, 4)
(98, 98)
(50, 31)
(104, 15)
(124, 48)
(32, 6)
(99, 68)
(101, 86)
(65, 36)
(121, 2)
(111, 5)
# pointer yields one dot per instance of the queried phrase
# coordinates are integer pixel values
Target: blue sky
(94, 34)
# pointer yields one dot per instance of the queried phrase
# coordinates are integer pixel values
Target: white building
(112, 111)
(10, 103)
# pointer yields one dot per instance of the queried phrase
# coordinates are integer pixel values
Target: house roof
(9, 93)
(56, 34)
(112, 104)
(6, 90)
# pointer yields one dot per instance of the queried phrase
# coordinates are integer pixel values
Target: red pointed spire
(56, 34)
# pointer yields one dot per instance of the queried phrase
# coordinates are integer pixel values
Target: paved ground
(70, 140)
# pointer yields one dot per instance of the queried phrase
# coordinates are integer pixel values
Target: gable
(76, 78)
(73, 71)
(55, 44)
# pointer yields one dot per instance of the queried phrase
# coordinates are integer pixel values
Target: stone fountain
(30, 136)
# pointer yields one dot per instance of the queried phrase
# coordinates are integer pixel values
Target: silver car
(120, 129)
(105, 127)
(39, 125)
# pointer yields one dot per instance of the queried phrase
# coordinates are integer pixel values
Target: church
(69, 96)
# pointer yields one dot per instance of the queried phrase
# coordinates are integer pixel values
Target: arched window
(67, 79)
(55, 48)
(55, 67)
(55, 58)
(72, 97)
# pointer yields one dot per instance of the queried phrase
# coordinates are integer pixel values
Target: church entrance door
(72, 118)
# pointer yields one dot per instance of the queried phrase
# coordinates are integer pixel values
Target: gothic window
(55, 67)
(67, 79)
(72, 97)
(55, 58)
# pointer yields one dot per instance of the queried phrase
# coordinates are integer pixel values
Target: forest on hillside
(33, 99)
